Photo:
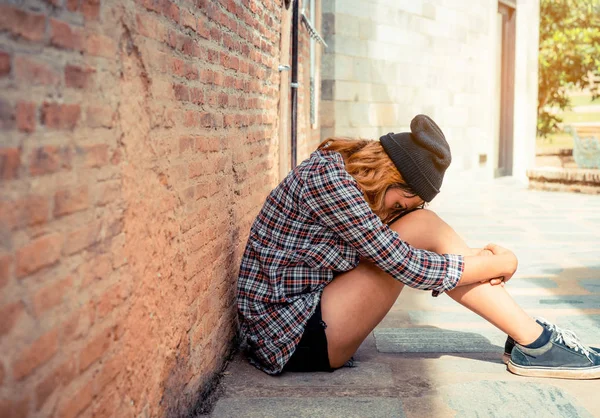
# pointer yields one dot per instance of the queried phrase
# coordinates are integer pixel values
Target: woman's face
(397, 200)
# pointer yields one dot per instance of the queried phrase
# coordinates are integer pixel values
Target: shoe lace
(568, 338)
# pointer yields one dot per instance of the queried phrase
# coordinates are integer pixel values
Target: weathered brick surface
(140, 139)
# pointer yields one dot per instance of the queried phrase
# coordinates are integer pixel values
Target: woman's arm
(503, 263)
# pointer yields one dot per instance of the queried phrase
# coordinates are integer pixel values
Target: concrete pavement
(430, 357)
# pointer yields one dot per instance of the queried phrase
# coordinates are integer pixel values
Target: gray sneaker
(564, 357)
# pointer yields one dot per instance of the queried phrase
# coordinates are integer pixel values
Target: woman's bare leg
(357, 300)
(493, 303)
(352, 305)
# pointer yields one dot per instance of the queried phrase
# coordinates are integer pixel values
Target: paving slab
(370, 374)
(532, 283)
(309, 408)
(540, 302)
(437, 340)
(512, 399)
(591, 285)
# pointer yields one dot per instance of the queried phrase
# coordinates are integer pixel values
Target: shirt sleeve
(333, 198)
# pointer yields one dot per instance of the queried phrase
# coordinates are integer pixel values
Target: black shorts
(311, 353)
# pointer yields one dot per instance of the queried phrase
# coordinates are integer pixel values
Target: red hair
(373, 170)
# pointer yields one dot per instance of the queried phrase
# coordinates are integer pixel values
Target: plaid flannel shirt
(314, 224)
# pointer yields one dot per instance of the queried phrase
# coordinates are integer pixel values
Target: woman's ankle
(530, 335)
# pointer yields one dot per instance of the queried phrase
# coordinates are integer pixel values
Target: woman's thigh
(357, 300)
(352, 305)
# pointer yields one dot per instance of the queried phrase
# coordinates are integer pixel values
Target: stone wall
(390, 60)
(139, 140)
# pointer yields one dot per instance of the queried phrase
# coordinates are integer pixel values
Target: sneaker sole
(564, 373)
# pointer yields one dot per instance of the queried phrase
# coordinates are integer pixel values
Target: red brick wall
(139, 140)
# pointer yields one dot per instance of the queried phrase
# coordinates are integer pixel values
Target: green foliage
(569, 56)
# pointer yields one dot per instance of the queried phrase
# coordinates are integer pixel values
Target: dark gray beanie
(422, 156)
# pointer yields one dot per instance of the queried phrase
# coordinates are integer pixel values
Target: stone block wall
(392, 59)
(138, 141)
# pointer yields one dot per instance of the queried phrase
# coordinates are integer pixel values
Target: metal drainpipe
(294, 81)
(313, 88)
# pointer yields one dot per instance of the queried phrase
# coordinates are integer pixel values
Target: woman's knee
(421, 228)
(423, 216)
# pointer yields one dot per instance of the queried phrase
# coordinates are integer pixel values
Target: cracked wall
(139, 140)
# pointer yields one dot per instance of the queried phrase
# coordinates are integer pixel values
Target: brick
(6, 261)
(112, 298)
(207, 144)
(110, 370)
(202, 27)
(90, 9)
(10, 161)
(171, 11)
(62, 35)
(60, 116)
(26, 116)
(95, 349)
(178, 67)
(209, 166)
(181, 92)
(188, 20)
(101, 46)
(150, 27)
(100, 117)
(70, 200)
(108, 192)
(51, 296)
(4, 64)
(21, 23)
(78, 77)
(196, 96)
(216, 34)
(117, 250)
(10, 314)
(97, 268)
(73, 404)
(7, 115)
(72, 5)
(116, 157)
(38, 353)
(191, 72)
(33, 72)
(24, 211)
(185, 143)
(109, 403)
(189, 47)
(49, 159)
(78, 324)
(61, 376)
(39, 253)
(206, 189)
(12, 408)
(95, 155)
(81, 238)
(114, 225)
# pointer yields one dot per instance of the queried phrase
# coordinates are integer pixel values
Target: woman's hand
(496, 281)
(483, 267)
(509, 263)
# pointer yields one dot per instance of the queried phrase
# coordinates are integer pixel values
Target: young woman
(337, 240)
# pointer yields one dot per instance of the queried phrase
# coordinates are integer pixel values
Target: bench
(586, 145)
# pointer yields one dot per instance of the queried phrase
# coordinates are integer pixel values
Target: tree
(569, 56)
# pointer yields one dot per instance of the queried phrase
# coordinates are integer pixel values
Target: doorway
(507, 31)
